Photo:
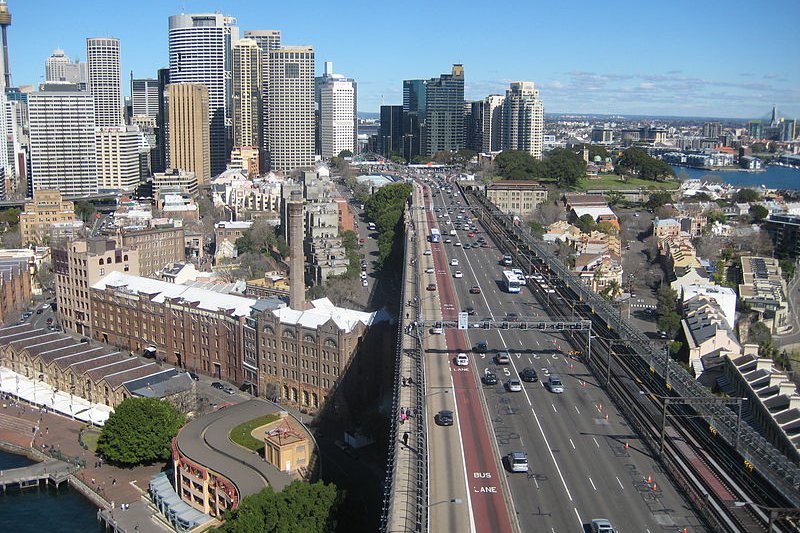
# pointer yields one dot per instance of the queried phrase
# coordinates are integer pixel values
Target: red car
(361, 241)
(431, 287)
(474, 290)
(471, 234)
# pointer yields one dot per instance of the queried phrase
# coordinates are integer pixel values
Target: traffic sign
(463, 321)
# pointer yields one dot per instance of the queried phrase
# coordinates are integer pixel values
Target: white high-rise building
(523, 119)
(144, 97)
(247, 62)
(291, 107)
(337, 113)
(492, 123)
(62, 139)
(267, 40)
(105, 79)
(200, 52)
(117, 158)
(58, 67)
(13, 144)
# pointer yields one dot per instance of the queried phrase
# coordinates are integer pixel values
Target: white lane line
(535, 482)
(530, 361)
(576, 410)
(592, 482)
(596, 443)
(573, 444)
(521, 441)
(620, 483)
(554, 407)
(579, 516)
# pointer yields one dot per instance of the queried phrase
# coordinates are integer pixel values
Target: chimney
(297, 285)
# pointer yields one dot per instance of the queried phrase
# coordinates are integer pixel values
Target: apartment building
(516, 197)
(764, 290)
(158, 246)
(39, 215)
(79, 264)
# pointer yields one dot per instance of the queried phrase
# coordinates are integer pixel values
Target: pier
(50, 471)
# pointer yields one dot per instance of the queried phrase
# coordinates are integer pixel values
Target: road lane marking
(620, 483)
(573, 444)
(576, 409)
(595, 441)
(592, 482)
(554, 407)
(579, 516)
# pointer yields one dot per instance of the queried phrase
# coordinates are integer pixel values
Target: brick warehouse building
(296, 355)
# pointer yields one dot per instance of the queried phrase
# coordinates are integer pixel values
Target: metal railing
(777, 469)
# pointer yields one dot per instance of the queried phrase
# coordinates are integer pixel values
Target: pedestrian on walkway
(113, 482)
(405, 438)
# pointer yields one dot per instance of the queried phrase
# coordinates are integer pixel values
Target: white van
(462, 359)
(518, 461)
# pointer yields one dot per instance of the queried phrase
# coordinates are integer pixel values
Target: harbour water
(44, 509)
(772, 178)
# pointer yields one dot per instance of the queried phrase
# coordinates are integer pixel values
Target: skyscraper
(117, 158)
(5, 22)
(189, 129)
(200, 52)
(337, 113)
(444, 115)
(492, 123)
(473, 125)
(105, 81)
(267, 40)
(144, 96)
(291, 107)
(523, 119)
(159, 154)
(390, 134)
(62, 139)
(58, 67)
(247, 105)
(414, 107)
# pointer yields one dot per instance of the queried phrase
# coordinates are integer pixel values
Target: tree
(84, 211)
(536, 228)
(565, 167)
(345, 154)
(585, 223)
(716, 216)
(519, 165)
(464, 156)
(758, 212)
(607, 227)
(636, 162)
(385, 207)
(444, 156)
(300, 507)
(10, 216)
(668, 318)
(260, 238)
(657, 199)
(139, 432)
(595, 150)
(546, 213)
(746, 196)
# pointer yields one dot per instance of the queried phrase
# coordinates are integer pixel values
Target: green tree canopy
(299, 508)
(139, 432)
(385, 207)
(586, 223)
(345, 153)
(745, 196)
(635, 161)
(668, 318)
(758, 212)
(564, 166)
(519, 165)
(597, 150)
(607, 227)
(84, 211)
(10, 216)
(657, 199)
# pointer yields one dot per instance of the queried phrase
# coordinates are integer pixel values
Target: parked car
(218, 385)
(502, 358)
(194, 376)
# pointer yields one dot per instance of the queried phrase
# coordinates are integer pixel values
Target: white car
(458, 274)
(457, 243)
(427, 252)
(462, 359)
(454, 262)
(364, 283)
(514, 385)
(437, 329)
(429, 270)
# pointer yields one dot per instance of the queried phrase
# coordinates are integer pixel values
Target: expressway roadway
(585, 462)
(464, 472)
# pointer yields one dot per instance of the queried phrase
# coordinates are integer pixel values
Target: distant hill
(364, 114)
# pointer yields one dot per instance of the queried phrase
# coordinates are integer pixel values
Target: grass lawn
(611, 181)
(241, 433)
(89, 438)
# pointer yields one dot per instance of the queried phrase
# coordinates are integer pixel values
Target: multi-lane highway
(585, 462)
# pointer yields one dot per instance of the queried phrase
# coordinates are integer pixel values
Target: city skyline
(611, 61)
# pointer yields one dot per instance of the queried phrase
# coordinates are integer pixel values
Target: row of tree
(385, 207)
(560, 165)
(636, 162)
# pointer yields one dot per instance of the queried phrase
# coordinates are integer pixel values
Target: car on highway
(431, 287)
(502, 358)
(448, 240)
(489, 378)
(427, 252)
(38, 311)
(517, 461)
(484, 244)
(512, 317)
(555, 384)
(429, 270)
(454, 262)
(474, 290)
(437, 329)
(457, 243)
(458, 274)
(444, 418)
(602, 525)
(470, 311)
(528, 375)
(467, 246)
(462, 359)
(514, 385)
(481, 347)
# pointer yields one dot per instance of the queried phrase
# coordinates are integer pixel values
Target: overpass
(7, 204)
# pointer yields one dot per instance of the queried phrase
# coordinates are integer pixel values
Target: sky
(704, 58)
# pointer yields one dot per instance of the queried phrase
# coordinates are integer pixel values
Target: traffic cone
(649, 479)
(627, 445)
(606, 417)
(655, 487)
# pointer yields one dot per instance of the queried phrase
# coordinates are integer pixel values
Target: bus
(511, 282)
(435, 236)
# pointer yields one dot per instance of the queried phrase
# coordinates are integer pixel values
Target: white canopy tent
(44, 395)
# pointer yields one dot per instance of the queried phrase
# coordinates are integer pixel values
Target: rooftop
(322, 311)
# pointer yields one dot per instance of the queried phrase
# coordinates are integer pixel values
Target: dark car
(194, 376)
(512, 317)
(475, 290)
(489, 378)
(481, 347)
(431, 287)
(470, 311)
(218, 385)
(528, 375)
(444, 418)
(85, 339)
